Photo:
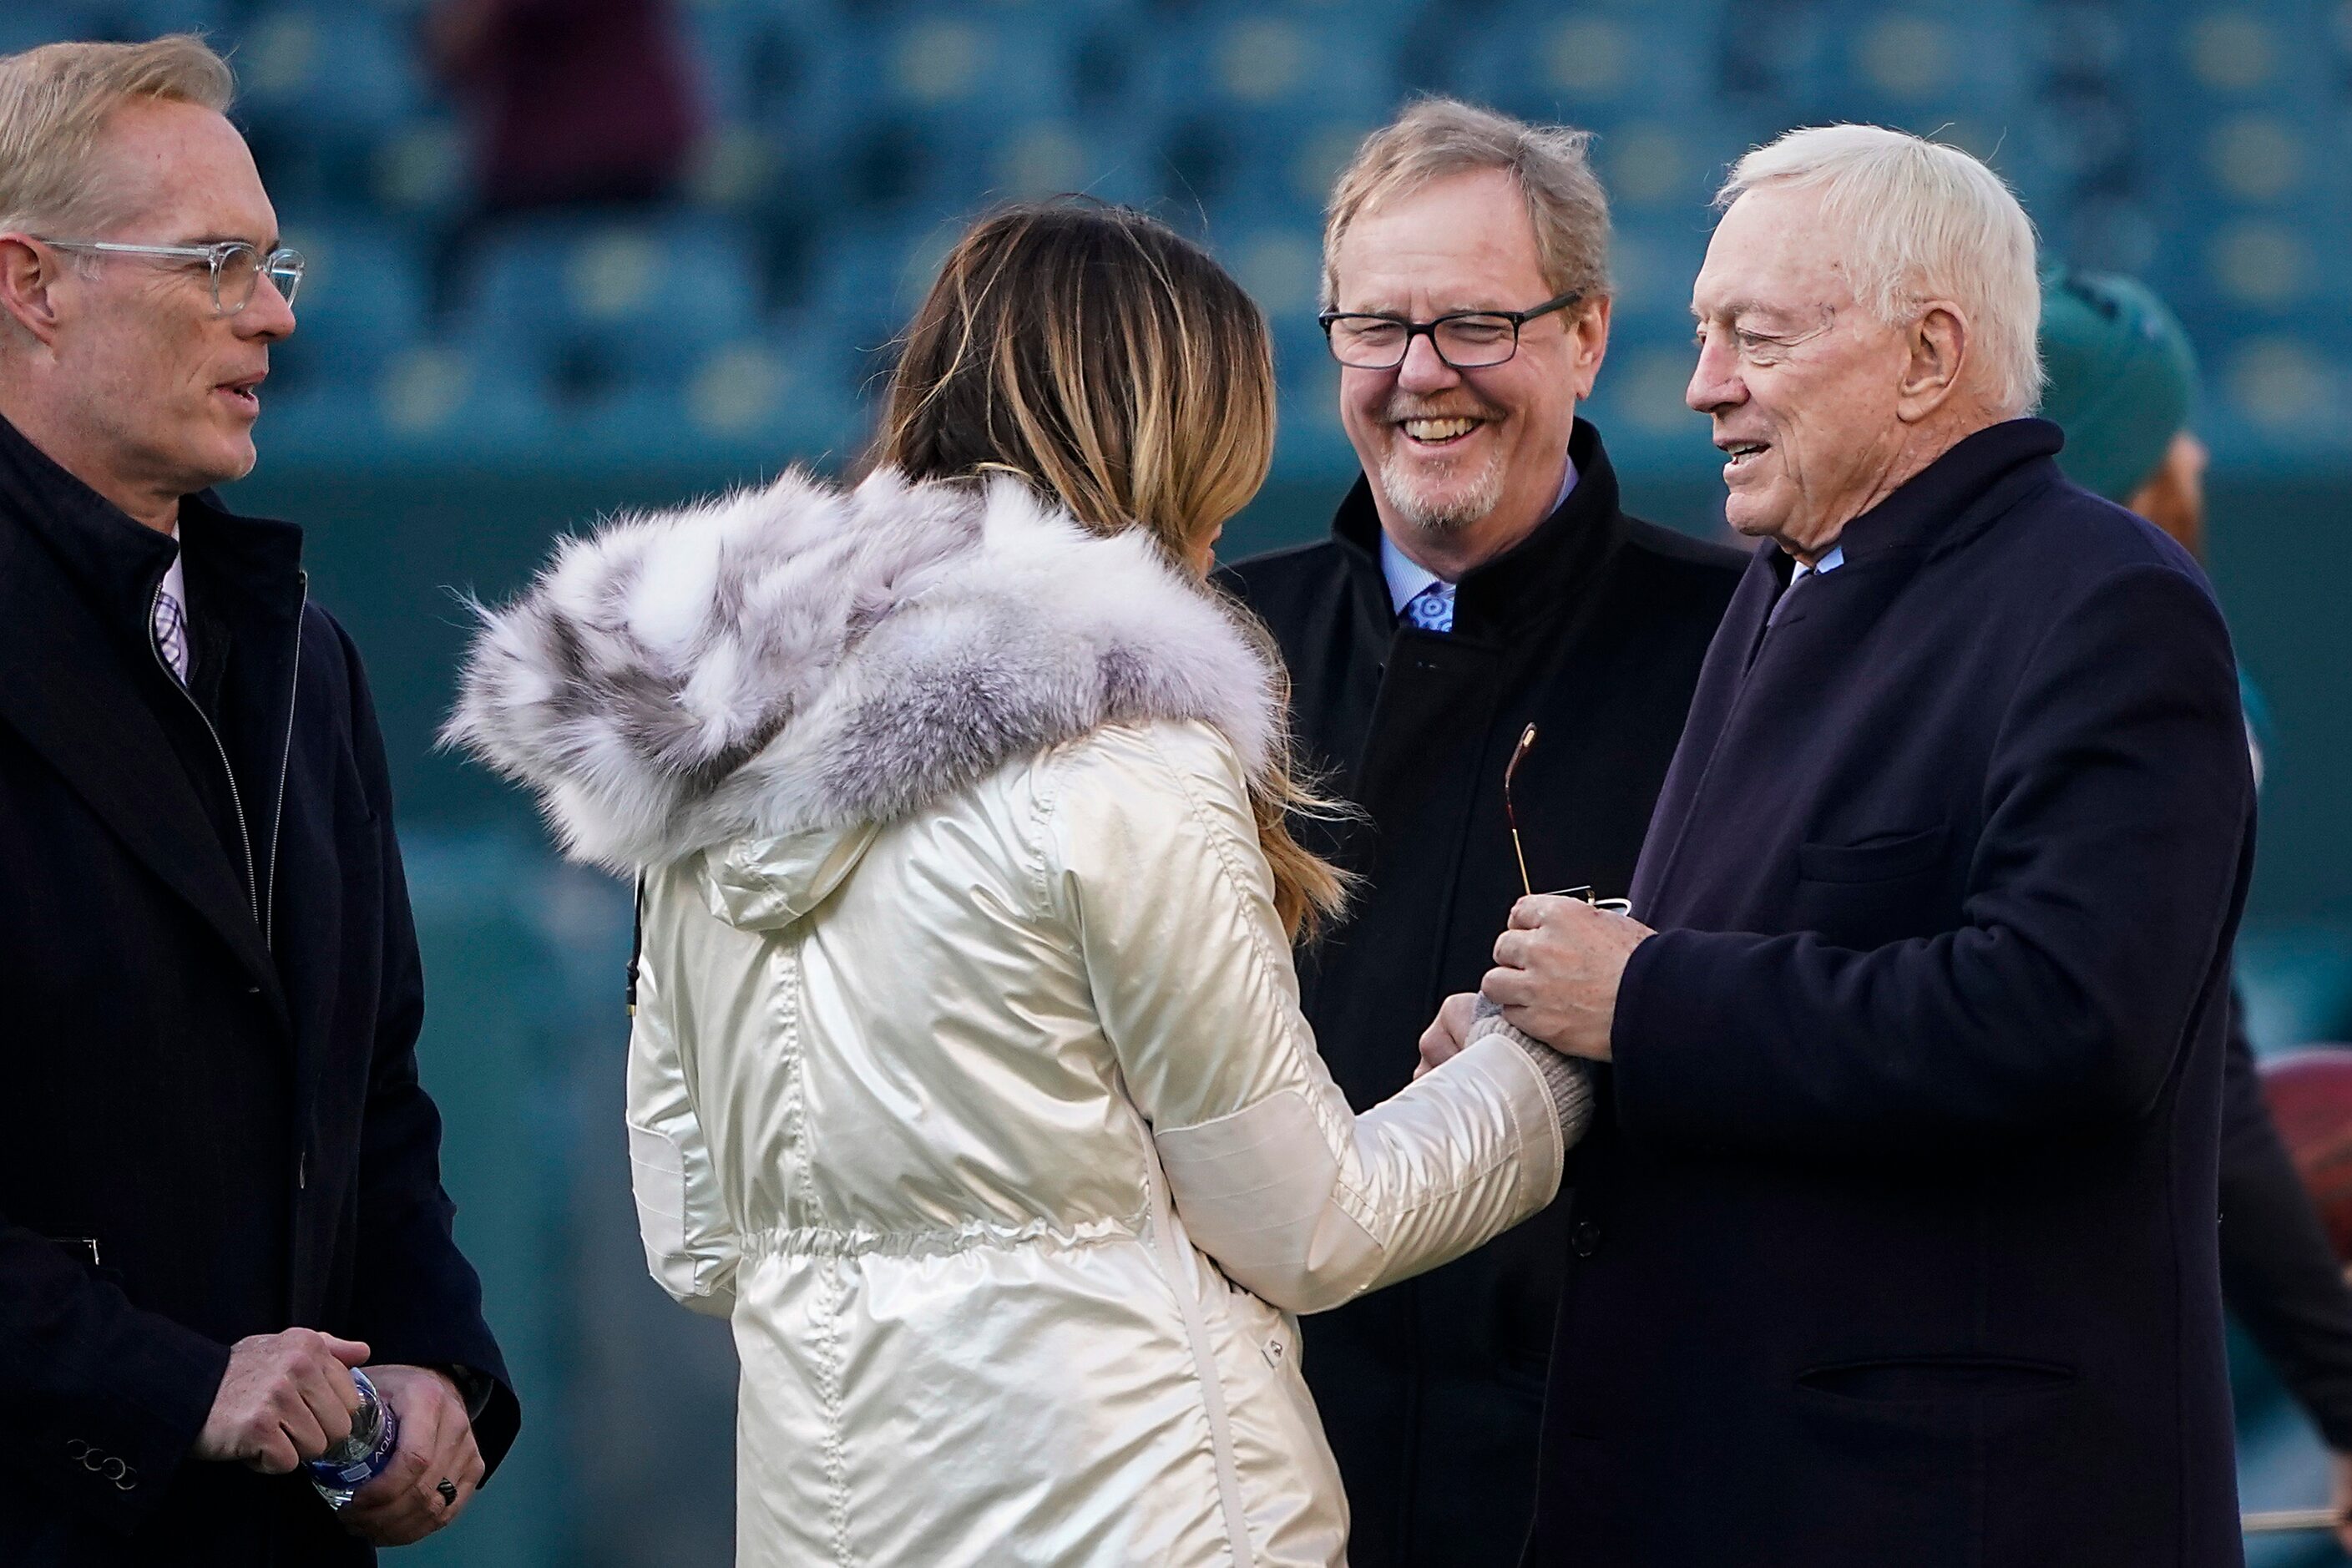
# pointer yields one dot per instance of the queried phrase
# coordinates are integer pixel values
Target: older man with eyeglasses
(1481, 577)
(1895, 1238)
(219, 1187)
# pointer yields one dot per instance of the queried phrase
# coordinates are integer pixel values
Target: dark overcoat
(213, 1125)
(1593, 629)
(1896, 1241)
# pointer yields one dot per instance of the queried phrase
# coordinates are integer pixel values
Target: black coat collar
(115, 561)
(1940, 508)
(1918, 516)
(118, 561)
(1545, 576)
(81, 684)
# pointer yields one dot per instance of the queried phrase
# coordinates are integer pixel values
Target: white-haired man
(1480, 577)
(1897, 1243)
(219, 1179)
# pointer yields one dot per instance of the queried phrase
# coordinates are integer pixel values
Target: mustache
(1402, 406)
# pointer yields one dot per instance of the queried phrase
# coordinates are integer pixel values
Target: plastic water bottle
(349, 1465)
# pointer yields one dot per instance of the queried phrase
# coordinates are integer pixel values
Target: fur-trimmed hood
(806, 658)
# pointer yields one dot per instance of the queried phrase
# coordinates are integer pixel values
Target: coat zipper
(235, 802)
(261, 916)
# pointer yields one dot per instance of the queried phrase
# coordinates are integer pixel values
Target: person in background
(1481, 576)
(2122, 384)
(219, 1177)
(968, 1079)
(571, 102)
(1896, 1235)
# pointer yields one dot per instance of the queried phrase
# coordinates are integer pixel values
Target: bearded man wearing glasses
(1479, 578)
(219, 1179)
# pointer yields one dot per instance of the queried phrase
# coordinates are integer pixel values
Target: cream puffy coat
(968, 1076)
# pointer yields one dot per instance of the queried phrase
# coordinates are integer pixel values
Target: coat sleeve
(2117, 812)
(2278, 1274)
(416, 1299)
(690, 1243)
(1152, 857)
(99, 1401)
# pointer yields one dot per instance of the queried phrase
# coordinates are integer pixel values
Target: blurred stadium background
(460, 389)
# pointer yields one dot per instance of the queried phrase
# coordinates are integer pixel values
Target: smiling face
(1805, 386)
(1464, 464)
(159, 394)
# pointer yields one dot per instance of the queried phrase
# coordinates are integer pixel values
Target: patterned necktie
(1432, 609)
(171, 633)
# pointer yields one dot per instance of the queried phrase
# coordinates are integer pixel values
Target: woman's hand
(1446, 1034)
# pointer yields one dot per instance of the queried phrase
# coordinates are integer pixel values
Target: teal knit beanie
(2121, 377)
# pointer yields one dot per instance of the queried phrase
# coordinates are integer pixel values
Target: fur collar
(804, 657)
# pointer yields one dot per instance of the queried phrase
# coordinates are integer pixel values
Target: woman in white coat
(968, 1076)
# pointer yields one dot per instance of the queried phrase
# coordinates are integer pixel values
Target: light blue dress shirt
(1407, 577)
(1829, 562)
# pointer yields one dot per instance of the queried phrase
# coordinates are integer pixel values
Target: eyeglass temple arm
(1510, 813)
(191, 251)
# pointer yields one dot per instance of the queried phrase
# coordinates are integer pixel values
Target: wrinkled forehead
(1461, 241)
(1773, 254)
(175, 173)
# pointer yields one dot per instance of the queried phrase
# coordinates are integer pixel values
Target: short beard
(1439, 516)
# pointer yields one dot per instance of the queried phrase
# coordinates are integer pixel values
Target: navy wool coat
(1896, 1241)
(1593, 628)
(212, 1125)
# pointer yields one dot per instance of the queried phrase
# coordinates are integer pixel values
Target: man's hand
(1556, 972)
(436, 1444)
(284, 1398)
(1448, 1032)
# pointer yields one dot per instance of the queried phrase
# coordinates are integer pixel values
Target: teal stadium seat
(24, 26)
(1589, 65)
(1237, 95)
(324, 94)
(588, 307)
(363, 300)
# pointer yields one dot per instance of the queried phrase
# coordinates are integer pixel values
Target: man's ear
(1588, 343)
(29, 278)
(1937, 345)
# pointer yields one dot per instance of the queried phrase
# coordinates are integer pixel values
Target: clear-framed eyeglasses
(237, 267)
(1465, 340)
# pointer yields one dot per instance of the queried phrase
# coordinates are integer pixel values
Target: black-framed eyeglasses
(1465, 340)
(236, 265)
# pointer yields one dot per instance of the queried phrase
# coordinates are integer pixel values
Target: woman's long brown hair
(1110, 363)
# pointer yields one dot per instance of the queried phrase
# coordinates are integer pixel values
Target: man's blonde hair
(54, 103)
(1441, 137)
(1919, 220)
